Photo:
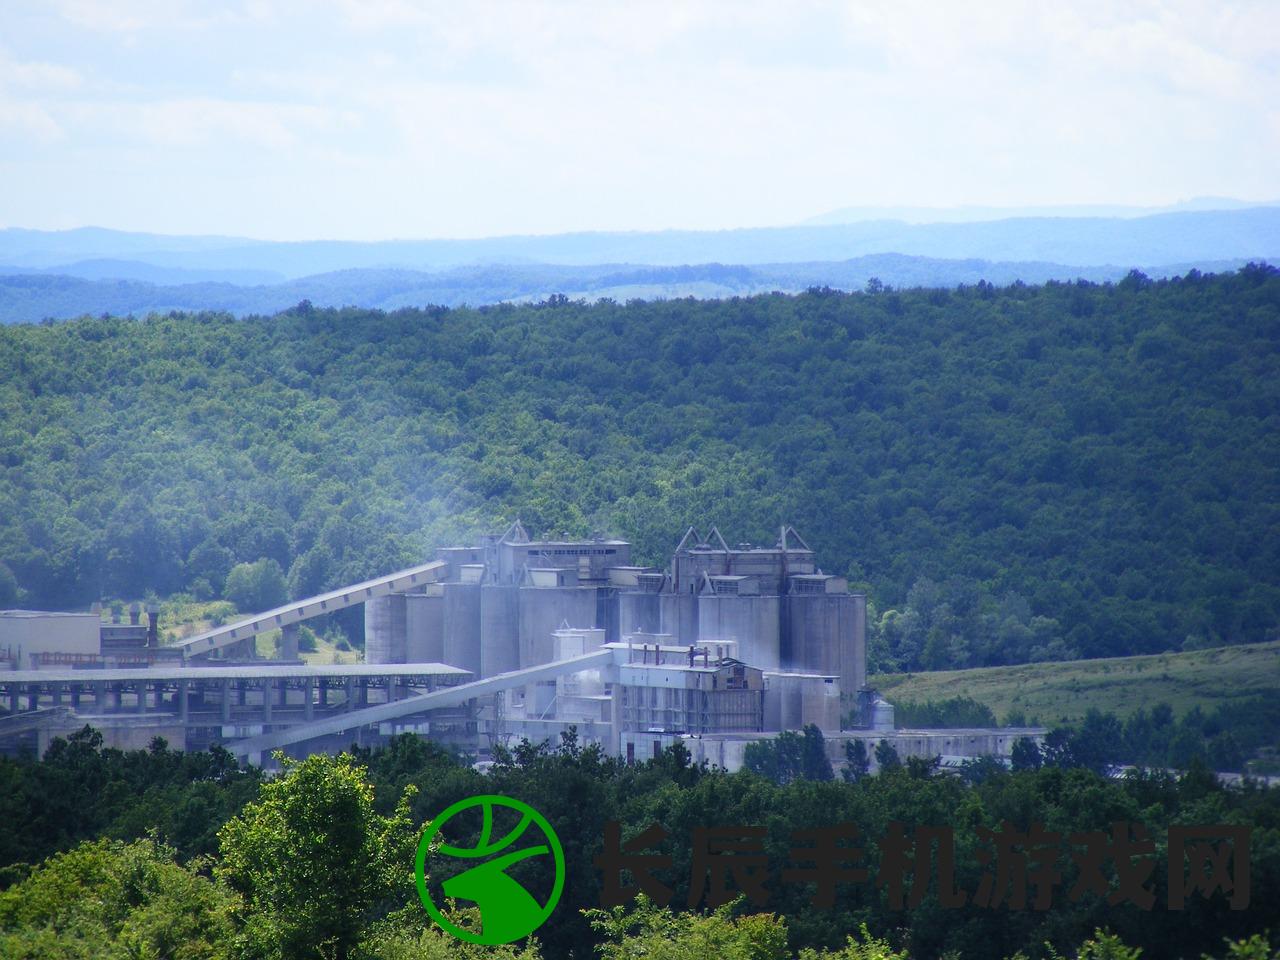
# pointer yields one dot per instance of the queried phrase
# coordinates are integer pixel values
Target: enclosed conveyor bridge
(253, 747)
(293, 613)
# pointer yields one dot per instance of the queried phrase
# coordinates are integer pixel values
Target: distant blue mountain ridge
(39, 296)
(94, 270)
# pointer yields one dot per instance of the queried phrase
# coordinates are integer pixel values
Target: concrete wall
(29, 632)
(791, 702)
(717, 751)
(752, 621)
(462, 626)
(457, 556)
(424, 626)
(544, 610)
(499, 629)
(727, 751)
(679, 616)
(122, 734)
(639, 613)
(385, 629)
(574, 691)
(967, 742)
(646, 746)
(608, 616)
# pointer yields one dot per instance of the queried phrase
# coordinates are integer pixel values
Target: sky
(381, 119)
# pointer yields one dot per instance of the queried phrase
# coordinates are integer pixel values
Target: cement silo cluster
(501, 601)
(773, 601)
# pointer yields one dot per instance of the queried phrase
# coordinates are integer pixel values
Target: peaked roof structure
(788, 535)
(516, 533)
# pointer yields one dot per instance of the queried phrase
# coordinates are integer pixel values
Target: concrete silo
(753, 621)
(424, 626)
(545, 609)
(385, 629)
(825, 630)
(462, 625)
(499, 628)
(639, 613)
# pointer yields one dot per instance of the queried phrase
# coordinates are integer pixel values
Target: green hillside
(1058, 692)
(1014, 474)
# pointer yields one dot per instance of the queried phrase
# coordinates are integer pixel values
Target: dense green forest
(162, 854)
(1068, 470)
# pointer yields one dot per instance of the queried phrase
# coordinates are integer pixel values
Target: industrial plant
(507, 639)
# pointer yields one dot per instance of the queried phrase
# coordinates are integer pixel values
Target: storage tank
(882, 715)
(424, 626)
(499, 629)
(385, 629)
(462, 626)
(752, 621)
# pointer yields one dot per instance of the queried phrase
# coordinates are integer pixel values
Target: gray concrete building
(28, 638)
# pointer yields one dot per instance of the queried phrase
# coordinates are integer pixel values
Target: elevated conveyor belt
(451, 697)
(399, 582)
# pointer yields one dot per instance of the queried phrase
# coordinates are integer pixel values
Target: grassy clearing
(1065, 691)
(326, 652)
(182, 617)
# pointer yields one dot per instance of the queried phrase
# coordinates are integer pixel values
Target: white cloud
(204, 122)
(28, 120)
(467, 118)
(129, 17)
(39, 78)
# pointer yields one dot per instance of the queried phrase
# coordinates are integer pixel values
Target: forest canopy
(170, 854)
(1014, 473)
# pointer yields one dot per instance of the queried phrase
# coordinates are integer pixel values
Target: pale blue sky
(372, 119)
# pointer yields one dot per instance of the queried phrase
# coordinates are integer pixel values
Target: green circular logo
(507, 910)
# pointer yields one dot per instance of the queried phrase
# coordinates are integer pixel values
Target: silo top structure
(697, 556)
(589, 559)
